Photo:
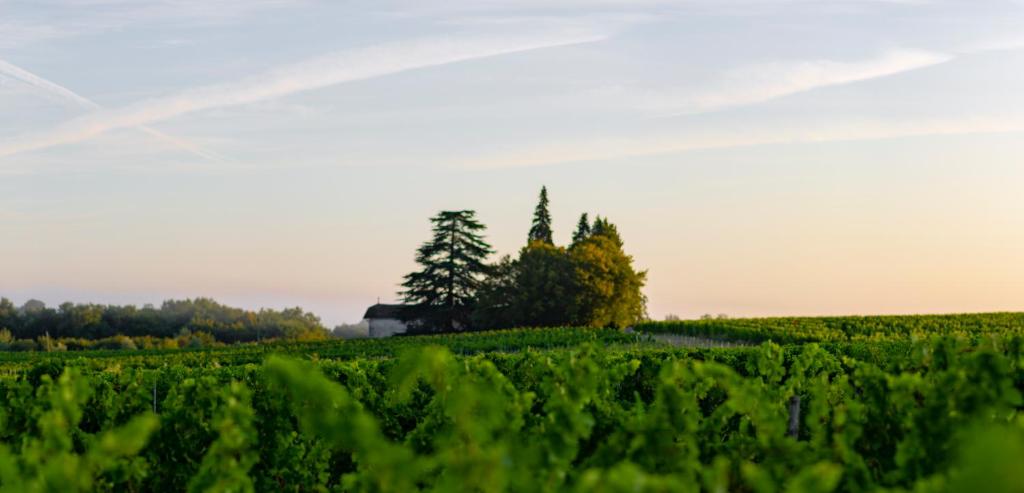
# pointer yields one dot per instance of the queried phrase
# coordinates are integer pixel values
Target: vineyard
(844, 329)
(925, 403)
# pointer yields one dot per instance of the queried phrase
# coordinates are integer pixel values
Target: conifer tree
(582, 229)
(598, 226)
(441, 295)
(541, 228)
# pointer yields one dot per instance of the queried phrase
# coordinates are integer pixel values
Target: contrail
(41, 83)
(336, 68)
(18, 73)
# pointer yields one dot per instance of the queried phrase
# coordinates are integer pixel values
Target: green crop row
(335, 349)
(844, 329)
(941, 416)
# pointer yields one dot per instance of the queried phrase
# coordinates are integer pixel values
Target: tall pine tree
(441, 295)
(582, 229)
(541, 228)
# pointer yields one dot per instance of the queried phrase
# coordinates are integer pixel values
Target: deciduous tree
(497, 306)
(608, 288)
(545, 284)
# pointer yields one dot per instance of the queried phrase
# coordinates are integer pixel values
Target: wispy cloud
(763, 82)
(43, 20)
(51, 88)
(760, 82)
(598, 149)
(324, 71)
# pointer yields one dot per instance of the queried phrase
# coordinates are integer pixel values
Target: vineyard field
(845, 329)
(893, 403)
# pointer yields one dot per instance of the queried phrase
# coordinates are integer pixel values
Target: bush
(5, 339)
(116, 343)
(23, 345)
(78, 344)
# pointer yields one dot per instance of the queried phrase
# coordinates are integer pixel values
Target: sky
(760, 157)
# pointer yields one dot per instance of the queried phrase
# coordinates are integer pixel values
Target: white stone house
(385, 320)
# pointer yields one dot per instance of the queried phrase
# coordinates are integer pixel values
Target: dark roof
(384, 311)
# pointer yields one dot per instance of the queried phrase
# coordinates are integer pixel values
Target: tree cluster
(172, 319)
(591, 282)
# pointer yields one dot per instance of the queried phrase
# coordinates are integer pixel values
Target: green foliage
(592, 283)
(582, 229)
(845, 329)
(442, 294)
(226, 464)
(604, 227)
(593, 411)
(531, 291)
(22, 345)
(90, 322)
(327, 411)
(497, 299)
(988, 461)
(545, 282)
(56, 455)
(608, 288)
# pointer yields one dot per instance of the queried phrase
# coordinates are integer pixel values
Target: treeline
(200, 319)
(591, 282)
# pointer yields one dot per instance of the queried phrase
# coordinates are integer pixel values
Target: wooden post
(794, 416)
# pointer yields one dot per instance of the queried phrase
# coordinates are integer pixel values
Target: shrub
(23, 345)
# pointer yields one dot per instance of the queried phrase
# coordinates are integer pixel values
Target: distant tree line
(173, 319)
(591, 282)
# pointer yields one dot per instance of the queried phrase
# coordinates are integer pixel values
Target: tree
(608, 289)
(33, 306)
(545, 282)
(530, 291)
(541, 228)
(592, 283)
(93, 321)
(443, 292)
(9, 315)
(604, 227)
(582, 229)
(496, 306)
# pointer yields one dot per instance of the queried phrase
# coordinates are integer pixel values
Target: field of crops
(841, 329)
(836, 404)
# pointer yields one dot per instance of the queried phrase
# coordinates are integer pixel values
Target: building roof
(384, 311)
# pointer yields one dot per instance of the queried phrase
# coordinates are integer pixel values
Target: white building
(385, 320)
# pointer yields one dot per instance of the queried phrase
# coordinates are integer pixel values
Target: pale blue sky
(761, 157)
